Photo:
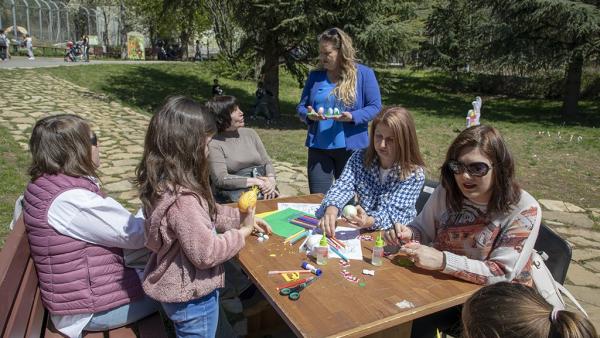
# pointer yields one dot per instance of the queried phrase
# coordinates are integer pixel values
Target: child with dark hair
(216, 88)
(190, 235)
(508, 310)
(77, 233)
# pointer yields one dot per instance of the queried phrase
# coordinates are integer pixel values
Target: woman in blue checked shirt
(387, 177)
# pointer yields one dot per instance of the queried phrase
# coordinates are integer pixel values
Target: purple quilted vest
(74, 276)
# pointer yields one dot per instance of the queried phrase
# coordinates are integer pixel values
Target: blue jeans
(122, 315)
(323, 166)
(195, 318)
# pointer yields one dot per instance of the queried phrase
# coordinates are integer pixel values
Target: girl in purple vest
(77, 234)
(189, 235)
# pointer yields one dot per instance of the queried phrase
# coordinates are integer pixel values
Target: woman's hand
(247, 218)
(313, 115)
(268, 187)
(424, 256)
(397, 235)
(261, 226)
(327, 222)
(343, 117)
(361, 220)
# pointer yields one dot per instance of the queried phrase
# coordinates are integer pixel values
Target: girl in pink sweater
(189, 235)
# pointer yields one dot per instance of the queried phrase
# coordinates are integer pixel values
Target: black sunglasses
(478, 169)
(94, 140)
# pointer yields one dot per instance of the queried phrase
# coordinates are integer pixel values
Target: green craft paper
(280, 224)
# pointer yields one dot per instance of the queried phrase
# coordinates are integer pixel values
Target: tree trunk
(573, 84)
(123, 30)
(270, 74)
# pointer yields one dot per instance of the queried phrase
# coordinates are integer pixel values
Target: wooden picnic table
(333, 306)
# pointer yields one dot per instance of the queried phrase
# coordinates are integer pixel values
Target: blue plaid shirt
(392, 201)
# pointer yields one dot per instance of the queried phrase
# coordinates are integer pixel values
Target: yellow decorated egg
(248, 199)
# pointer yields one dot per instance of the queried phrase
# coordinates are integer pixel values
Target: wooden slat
(36, 318)
(152, 326)
(122, 332)
(21, 310)
(13, 261)
(51, 331)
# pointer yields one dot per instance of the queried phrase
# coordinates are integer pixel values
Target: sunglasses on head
(94, 140)
(478, 169)
(332, 31)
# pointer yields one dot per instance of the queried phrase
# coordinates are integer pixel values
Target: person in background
(343, 86)
(85, 48)
(238, 158)
(190, 235)
(77, 234)
(263, 102)
(387, 177)
(29, 46)
(198, 54)
(216, 88)
(4, 46)
(478, 223)
(509, 310)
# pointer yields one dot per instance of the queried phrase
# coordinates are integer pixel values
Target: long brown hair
(174, 152)
(505, 190)
(60, 144)
(345, 90)
(511, 310)
(408, 155)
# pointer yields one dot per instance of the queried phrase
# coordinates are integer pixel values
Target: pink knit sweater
(187, 252)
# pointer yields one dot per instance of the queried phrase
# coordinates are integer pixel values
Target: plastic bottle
(322, 251)
(377, 258)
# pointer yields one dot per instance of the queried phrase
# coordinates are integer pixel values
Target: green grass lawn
(556, 159)
(13, 178)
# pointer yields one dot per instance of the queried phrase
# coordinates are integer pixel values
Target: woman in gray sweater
(238, 159)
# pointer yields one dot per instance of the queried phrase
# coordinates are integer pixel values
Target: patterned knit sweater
(479, 247)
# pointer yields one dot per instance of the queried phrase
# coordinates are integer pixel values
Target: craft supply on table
(368, 272)
(294, 283)
(277, 272)
(290, 238)
(322, 251)
(405, 304)
(311, 268)
(377, 257)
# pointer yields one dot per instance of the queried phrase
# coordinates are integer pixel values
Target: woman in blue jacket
(338, 101)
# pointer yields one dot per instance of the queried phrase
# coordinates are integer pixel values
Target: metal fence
(54, 22)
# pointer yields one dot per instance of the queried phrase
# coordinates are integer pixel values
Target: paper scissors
(293, 292)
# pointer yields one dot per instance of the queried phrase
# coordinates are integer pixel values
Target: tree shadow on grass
(147, 88)
(436, 94)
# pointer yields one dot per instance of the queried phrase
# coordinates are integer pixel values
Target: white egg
(260, 239)
(266, 237)
(349, 211)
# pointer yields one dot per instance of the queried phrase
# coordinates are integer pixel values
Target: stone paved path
(121, 130)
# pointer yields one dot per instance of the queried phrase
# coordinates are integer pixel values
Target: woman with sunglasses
(77, 234)
(478, 225)
(339, 99)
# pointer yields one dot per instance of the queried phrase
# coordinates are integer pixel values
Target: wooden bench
(22, 313)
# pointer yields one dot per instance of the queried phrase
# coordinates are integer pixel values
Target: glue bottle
(322, 251)
(312, 268)
(377, 258)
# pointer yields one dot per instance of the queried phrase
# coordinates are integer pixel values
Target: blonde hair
(345, 90)
(408, 156)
